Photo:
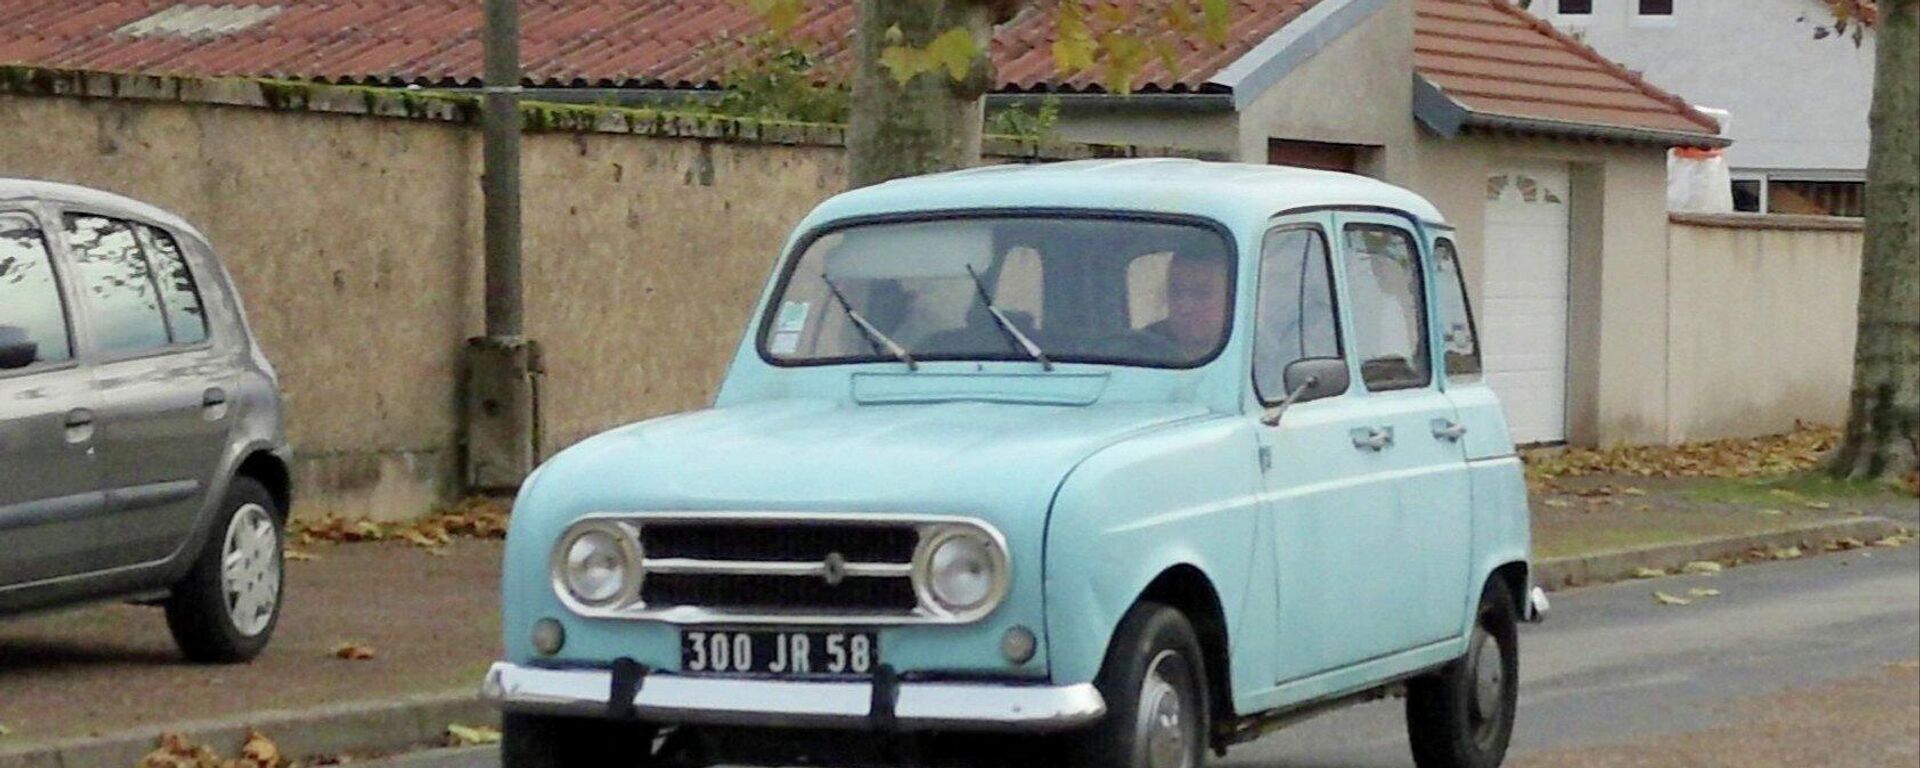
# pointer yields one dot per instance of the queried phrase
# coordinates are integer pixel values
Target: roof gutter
(1191, 103)
(1448, 118)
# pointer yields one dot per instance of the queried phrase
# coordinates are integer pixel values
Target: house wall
(1751, 57)
(1356, 90)
(351, 222)
(1763, 323)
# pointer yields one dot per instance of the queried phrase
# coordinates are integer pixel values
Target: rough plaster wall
(1357, 90)
(1215, 133)
(355, 243)
(1763, 328)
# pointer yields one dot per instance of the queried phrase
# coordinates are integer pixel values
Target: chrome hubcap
(1489, 681)
(1162, 727)
(250, 569)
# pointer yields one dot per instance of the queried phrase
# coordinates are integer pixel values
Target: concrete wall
(1798, 103)
(1356, 90)
(1763, 323)
(351, 221)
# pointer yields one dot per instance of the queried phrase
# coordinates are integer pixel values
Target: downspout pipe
(500, 183)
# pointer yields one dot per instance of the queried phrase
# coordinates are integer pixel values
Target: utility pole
(502, 409)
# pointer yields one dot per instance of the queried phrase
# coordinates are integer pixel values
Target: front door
(1367, 494)
(162, 386)
(49, 480)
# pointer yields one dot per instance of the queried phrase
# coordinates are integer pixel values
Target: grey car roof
(88, 197)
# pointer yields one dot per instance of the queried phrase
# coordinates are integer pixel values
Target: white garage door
(1524, 322)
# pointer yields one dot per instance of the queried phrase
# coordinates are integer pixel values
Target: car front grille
(739, 568)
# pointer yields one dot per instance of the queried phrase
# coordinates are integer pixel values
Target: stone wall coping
(1779, 221)
(464, 109)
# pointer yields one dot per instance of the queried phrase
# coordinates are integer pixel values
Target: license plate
(796, 654)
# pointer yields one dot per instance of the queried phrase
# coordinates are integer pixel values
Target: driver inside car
(1196, 303)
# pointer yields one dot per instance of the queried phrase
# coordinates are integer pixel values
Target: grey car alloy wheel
(250, 569)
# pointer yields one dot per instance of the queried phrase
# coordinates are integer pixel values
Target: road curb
(367, 727)
(1621, 564)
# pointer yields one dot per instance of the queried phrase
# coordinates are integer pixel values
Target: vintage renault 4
(1111, 464)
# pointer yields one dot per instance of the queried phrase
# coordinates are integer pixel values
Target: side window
(29, 291)
(1456, 315)
(1295, 317)
(179, 296)
(1389, 313)
(116, 286)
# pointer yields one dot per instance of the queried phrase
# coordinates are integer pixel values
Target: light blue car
(1106, 464)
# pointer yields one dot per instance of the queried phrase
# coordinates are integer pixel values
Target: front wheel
(225, 610)
(540, 741)
(1462, 716)
(1155, 683)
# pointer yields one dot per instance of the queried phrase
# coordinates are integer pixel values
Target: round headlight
(963, 572)
(595, 566)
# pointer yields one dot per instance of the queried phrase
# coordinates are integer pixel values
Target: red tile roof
(1493, 58)
(1485, 54)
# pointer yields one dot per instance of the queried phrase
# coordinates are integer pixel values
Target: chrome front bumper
(676, 699)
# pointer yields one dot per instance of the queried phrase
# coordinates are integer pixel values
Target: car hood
(998, 462)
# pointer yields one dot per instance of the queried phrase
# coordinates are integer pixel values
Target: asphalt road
(1804, 662)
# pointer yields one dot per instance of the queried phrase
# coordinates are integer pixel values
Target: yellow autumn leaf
(260, 751)
(1699, 567)
(467, 736)
(956, 50)
(1666, 599)
(1703, 592)
(1788, 553)
(1648, 573)
(352, 652)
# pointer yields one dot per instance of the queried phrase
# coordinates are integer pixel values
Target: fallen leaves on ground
(468, 736)
(176, 751)
(1648, 573)
(1666, 599)
(5, 731)
(1796, 451)
(300, 556)
(1896, 540)
(352, 652)
(474, 518)
(1703, 592)
(1788, 553)
(1702, 567)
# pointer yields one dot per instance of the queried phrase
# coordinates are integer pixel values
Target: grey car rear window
(186, 317)
(29, 292)
(116, 286)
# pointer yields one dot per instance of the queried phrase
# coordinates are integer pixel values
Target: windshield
(1126, 291)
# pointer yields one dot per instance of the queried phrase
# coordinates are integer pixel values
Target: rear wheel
(1155, 684)
(225, 610)
(542, 741)
(1462, 716)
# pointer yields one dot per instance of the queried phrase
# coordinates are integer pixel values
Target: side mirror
(1307, 379)
(16, 350)
(1315, 378)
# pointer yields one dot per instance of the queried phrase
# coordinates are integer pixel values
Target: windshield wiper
(881, 342)
(1006, 323)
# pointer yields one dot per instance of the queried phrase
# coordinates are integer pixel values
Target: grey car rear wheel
(226, 608)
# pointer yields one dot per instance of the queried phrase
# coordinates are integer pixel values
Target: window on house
(1656, 7)
(1576, 7)
(1746, 195)
(1817, 198)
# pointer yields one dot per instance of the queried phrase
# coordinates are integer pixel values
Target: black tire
(199, 615)
(543, 741)
(1447, 722)
(1151, 634)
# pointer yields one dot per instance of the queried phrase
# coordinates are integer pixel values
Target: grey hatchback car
(142, 456)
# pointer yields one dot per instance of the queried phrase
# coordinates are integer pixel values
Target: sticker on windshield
(793, 317)
(785, 343)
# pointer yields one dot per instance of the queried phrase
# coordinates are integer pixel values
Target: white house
(1798, 96)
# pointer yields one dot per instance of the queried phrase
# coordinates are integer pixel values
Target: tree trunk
(932, 122)
(1883, 429)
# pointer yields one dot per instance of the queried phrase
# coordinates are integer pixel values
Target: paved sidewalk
(430, 620)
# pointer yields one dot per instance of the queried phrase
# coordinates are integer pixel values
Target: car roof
(1229, 192)
(101, 200)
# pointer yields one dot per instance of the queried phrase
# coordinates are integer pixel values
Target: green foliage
(778, 79)
(1020, 123)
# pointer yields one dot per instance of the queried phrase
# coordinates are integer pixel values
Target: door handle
(213, 396)
(1449, 430)
(79, 417)
(1374, 439)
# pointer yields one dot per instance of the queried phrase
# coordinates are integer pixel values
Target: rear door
(1411, 426)
(163, 387)
(49, 478)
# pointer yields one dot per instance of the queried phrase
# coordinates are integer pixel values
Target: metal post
(501, 182)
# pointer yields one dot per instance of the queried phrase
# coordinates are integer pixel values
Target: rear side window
(1389, 309)
(1456, 315)
(179, 296)
(116, 286)
(29, 291)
